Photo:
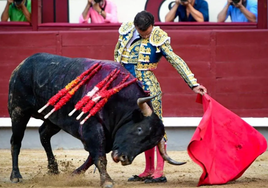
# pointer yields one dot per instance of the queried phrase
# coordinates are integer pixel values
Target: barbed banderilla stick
(68, 95)
(68, 87)
(88, 106)
(89, 95)
(107, 95)
(97, 96)
(110, 81)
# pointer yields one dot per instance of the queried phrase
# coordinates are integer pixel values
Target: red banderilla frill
(125, 79)
(68, 87)
(89, 95)
(110, 81)
(107, 94)
(90, 103)
(82, 79)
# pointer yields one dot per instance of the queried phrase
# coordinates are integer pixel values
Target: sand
(33, 168)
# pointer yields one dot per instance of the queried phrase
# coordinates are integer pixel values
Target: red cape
(223, 144)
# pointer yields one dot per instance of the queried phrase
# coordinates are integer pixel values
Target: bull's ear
(137, 116)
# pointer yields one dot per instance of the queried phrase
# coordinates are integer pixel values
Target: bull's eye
(139, 130)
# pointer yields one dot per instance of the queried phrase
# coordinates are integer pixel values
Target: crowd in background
(105, 11)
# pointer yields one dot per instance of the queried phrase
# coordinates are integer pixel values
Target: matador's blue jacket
(141, 57)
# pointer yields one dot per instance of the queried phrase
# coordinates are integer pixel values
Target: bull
(126, 125)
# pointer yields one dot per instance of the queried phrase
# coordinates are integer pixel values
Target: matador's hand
(200, 89)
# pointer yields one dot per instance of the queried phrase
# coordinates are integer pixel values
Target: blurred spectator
(99, 11)
(239, 11)
(17, 10)
(189, 11)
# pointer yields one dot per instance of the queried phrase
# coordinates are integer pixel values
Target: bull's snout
(120, 157)
(123, 158)
(115, 156)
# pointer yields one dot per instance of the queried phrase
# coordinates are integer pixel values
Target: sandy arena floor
(33, 167)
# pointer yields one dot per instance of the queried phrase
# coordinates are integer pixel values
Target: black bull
(120, 126)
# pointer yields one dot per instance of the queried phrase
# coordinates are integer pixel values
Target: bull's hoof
(53, 168)
(16, 180)
(15, 177)
(108, 185)
(53, 172)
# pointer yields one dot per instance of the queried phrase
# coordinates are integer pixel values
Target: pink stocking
(149, 159)
(160, 165)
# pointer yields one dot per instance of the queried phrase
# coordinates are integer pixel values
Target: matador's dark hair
(143, 20)
(97, 1)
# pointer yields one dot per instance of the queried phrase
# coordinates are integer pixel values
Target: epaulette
(125, 28)
(158, 37)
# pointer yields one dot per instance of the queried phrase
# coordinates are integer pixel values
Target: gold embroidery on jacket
(179, 64)
(144, 50)
(144, 58)
(158, 37)
(150, 66)
(151, 84)
(126, 27)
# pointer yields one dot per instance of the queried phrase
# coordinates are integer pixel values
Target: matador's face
(145, 34)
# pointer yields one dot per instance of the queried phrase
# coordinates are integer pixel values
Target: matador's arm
(179, 64)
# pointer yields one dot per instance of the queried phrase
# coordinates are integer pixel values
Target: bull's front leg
(105, 180)
(95, 142)
(101, 164)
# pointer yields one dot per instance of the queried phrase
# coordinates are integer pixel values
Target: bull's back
(42, 75)
(39, 77)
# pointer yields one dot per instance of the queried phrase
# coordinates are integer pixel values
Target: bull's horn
(145, 108)
(163, 152)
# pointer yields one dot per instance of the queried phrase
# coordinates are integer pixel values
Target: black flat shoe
(138, 178)
(162, 179)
